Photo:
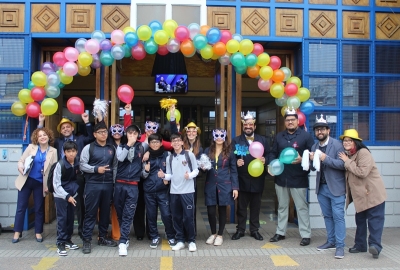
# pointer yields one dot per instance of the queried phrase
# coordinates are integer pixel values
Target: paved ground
(246, 253)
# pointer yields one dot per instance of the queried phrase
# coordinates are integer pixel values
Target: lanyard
(42, 158)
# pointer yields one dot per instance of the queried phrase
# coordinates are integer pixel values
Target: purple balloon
(96, 61)
(47, 68)
(105, 45)
(256, 149)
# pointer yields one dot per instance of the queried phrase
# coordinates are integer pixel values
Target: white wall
(387, 159)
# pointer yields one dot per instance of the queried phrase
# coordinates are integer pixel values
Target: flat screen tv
(171, 83)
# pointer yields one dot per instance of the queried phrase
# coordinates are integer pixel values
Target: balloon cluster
(256, 167)
(287, 156)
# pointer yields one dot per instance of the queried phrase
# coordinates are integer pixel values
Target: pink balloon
(117, 37)
(33, 110)
(274, 62)
(38, 93)
(264, 85)
(70, 69)
(125, 93)
(138, 52)
(291, 89)
(225, 36)
(59, 59)
(182, 33)
(258, 49)
(256, 149)
(92, 46)
(71, 54)
(302, 118)
(75, 105)
(162, 50)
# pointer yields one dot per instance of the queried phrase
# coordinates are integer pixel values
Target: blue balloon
(106, 58)
(199, 41)
(241, 70)
(155, 26)
(150, 46)
(288, 155)
(307, 107)
(276, 167)
(131, 39)
(213, 35)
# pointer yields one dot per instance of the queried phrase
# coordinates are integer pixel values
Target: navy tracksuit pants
(65, 220)
(125, 202)
(155, 200)
(97, 201)
(182, 209)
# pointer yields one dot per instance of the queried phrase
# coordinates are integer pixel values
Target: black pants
(182, 210)
(65, 220)
(139, 223)
(97, 200)
(80, 203)
(252, 199)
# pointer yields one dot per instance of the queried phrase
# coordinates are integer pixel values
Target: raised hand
(85, 117)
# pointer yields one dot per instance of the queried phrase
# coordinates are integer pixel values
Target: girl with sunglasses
(222, 184)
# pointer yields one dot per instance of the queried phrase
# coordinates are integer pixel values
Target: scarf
(352, 151)
(156, 153)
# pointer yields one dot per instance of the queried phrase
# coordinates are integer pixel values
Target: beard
(323, 138)
(291, 130)
(248, 132)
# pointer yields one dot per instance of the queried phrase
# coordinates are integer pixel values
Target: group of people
(119, 165)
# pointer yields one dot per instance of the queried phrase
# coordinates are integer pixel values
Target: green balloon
(251, 60)
(241, 70)
(150, 46)
(200, 41)
(106, 58)
(288, 155)
(256, 168)
(127, 51)
(238, 60)
(31, 85)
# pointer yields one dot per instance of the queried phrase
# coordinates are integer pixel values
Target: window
(330, 117)
(387, 59)
(356, 92)
(387, 126)
(10, 85)
(323, 91)
(12, 52)
(387, 92)
(355, 58)
(11, 127)
(359, 121)
(323, 57)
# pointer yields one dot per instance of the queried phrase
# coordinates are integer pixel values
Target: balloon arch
(210, 42)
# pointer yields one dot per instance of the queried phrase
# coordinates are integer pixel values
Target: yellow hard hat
(192, 125)
(65, 120)
(351, 133)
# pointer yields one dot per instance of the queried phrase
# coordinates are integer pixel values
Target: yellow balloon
(295, 80)
(263, 59)
(49, 106)
(255, 168)
(144, 32)
(207, 52)
(177, 115)
(64, 78)
(161, 37)
(283, 110)
(246, 46)
(84, 71)
(128, 29)
(18, 108)
(266, 72)
(25, 96)
(215, 56)
(277, 90)
(303, 94)
(169, 26)
(85, 59)
(39, 78)
(232, 46)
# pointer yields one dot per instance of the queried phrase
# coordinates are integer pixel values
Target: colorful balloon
(59, 59)
(256, 149)
(200, 41)
(246, 46)
(278, 75)
(263, 59)
(256, 167)
(266, 72)
(71, 54)
(105, 45)
(303, 94)
(276, 167)
(150, 46)
(106, 58)
(173, 45)
(131, 39)
(85, 59)
(92, 46)
(98, 35)
(257, 49)
(275, 62)
(169, 26)
(287, 72)
(38, 93)
(251, 60)
(64, 78)
(84, 71)
(162, 50)
(182, 33)
(307, 107)
(264, 85)
(144, 32)
(302, 118)
(125, 93)
(213, 35)
(219, 48)
(291, 89)
(282, 101)
(48, 67)
(117, 52)
(238, 60)
(49, 106)
(155, 26)
(75, 105)
(33, 110)
(80, 44)
(39, 78)
(117, 37)
(206, 52)
(53, 91)
(288, 155)
(293, 102)
(232, 46)
(187, 47)
(25, 95)
(18, 108)
(225, 36)
(295, 80)
(161, 37)
(70, 68)
(276, 90)
(128, 29)
(177, 115)
(253, 72)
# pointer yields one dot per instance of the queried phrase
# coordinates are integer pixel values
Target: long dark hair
(359, 145)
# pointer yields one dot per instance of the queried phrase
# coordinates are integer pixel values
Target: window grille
(356, 58)
(323, 57)
(387, 59)
(359, 121)
(12, 52)
(10, 85)
(332, 119)
(387, 92)
(11, 127)
(356, 91)
(387, 126)
(323, 91)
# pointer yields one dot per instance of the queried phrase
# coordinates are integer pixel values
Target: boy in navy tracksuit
(182, 192)
(98, 161)
(126, 191)
(156, 191)
(65, 190)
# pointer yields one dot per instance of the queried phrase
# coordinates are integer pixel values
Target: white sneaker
(192, 247)
(211, 239)
(123, 251)
(218, 241)
(178, 246)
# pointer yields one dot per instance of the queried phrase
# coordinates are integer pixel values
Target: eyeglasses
(102, 132)
(176, 140)
(318, 130)
(347, 141)
(290, 120)
(152, 127)
(155, 142)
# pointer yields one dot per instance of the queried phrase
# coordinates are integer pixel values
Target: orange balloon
(187, 47)
(278, 75)
(253, 72)
(204, 29)
(219, 48)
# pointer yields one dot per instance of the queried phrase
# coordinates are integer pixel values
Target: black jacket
(151, 182)
(129, 170)
(247, 182)
(80, 140)
(293, 175)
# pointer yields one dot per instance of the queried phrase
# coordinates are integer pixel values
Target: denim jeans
(333, 210)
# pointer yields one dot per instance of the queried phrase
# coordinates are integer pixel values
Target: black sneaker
(107, 242)
(71, 245)
(61, 249)
(87, 247)
(155, 242)
(171, 242)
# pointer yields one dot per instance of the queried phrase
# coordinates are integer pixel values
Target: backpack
(51, 174)
(187, 160)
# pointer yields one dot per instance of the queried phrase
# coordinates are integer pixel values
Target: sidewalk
(246, 253)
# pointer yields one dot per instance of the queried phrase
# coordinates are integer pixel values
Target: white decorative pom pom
(100, 107)
(204, 162)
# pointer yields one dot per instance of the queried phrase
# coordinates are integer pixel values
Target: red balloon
(38, 93)
(33, 110)
(291, 89)
(138, 52)
(258, 49)
(225, 36)
(59, 59)
(75, 105)
(162, 50)
(302, 118)
(125, 93)
(274, 62)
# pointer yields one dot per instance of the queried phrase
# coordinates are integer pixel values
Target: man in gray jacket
(330, 186)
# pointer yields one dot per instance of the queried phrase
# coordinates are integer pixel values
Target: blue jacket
(222, 180)
(129, 170)
(333, 167)
(151, 182)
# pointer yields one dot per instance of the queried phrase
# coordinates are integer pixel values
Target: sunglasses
(151, 127)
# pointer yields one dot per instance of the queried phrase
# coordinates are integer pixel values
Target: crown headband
(320, 120)
(248, 116)
(290, 111)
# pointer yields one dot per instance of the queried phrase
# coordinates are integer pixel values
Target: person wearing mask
(34, 167)
(365, 188)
